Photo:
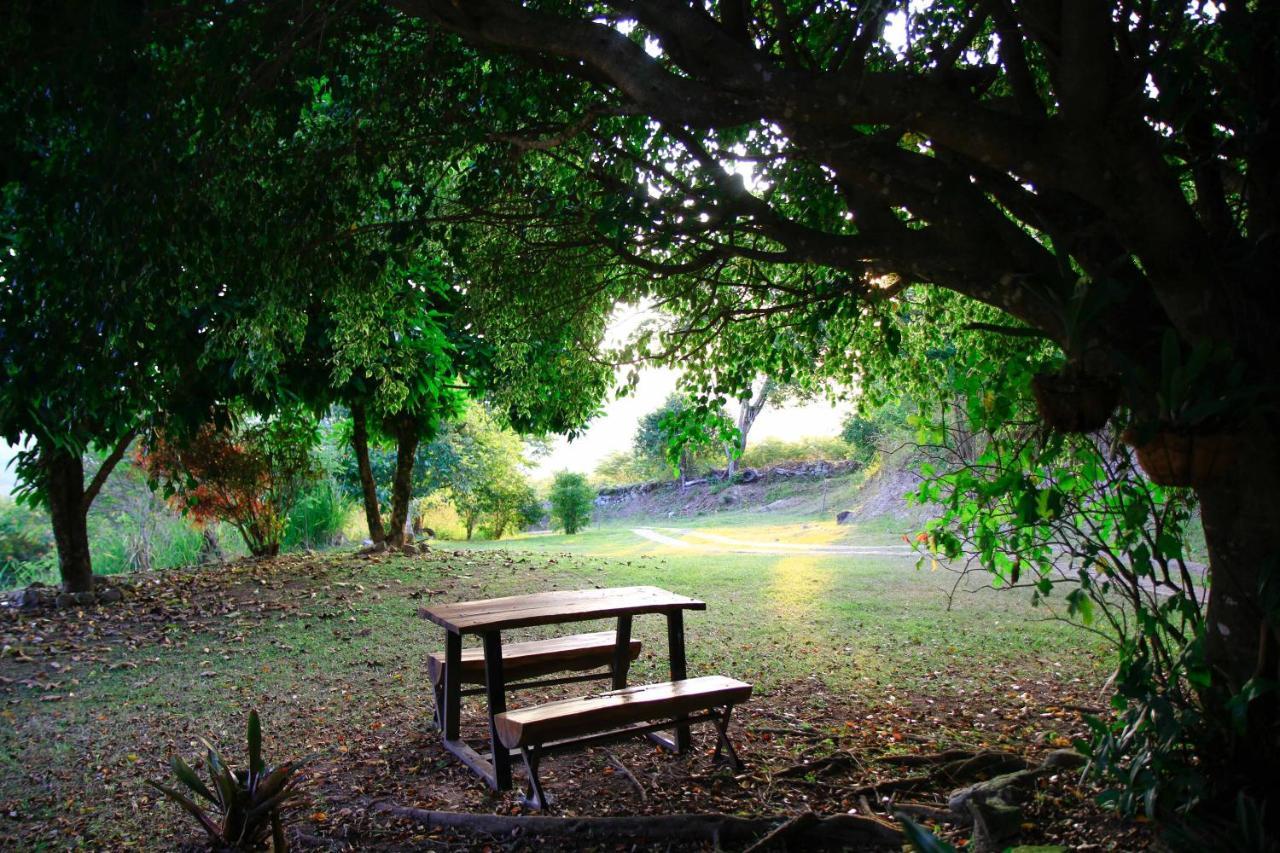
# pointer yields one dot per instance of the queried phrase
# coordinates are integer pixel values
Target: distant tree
(865, 430)
(479, 462)
(668, 437)
(770, 393)
(571, 500)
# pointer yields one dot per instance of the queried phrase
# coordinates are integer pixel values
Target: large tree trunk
(64, 487)
(368, 488)
(402, 486)
(1242, 530)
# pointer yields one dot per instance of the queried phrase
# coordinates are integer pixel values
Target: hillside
(790, 490)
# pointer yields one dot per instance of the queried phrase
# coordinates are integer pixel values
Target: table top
(548, 608)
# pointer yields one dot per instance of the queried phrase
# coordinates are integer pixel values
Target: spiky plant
(245, 805)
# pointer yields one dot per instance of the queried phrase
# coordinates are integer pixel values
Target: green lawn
(331, 649)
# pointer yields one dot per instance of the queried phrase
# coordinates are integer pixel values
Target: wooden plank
(479, 765)
(556, 720)
(545, 608)
(537, 657)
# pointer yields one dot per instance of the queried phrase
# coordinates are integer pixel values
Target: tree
(1100, 173)
(770, 393)
(480, 463)
(667, 435)
(571, 501)
(98, 333)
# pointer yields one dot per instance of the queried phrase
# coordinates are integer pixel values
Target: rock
(85, 598)
(33, 597)
(64, 600)
(993, 821)
(844, 516)
(1011, 787)
(727, 498)
(101, 580)
(110, 595)
(1064, 759)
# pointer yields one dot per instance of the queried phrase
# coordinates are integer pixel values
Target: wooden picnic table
(488, 618)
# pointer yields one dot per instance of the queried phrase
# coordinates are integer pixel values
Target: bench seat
(536, 657)
(642, 703)
(618, 714)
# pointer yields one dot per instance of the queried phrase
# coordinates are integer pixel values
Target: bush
(250, 476)
(26, 545)
(776, 451)
(867, 431)
(571, 501)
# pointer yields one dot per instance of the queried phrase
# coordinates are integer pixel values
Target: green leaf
(255, 748)
(188, 777)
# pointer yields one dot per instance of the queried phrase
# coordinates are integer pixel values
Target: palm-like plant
(245, 805)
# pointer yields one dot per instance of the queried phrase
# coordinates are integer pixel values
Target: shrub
(248, 805)
(250, 476)
(776, 451)
(571, 501)
(26, 540)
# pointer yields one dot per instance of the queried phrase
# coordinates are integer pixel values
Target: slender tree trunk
(402, 485)
(368, 488)
(748, 411)
(64, 486)
(1241, 530)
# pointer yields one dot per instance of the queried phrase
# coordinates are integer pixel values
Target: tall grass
(318, 519)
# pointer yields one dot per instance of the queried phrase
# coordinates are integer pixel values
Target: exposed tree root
(805, 831)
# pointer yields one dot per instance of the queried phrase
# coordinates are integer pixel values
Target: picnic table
(488, 618)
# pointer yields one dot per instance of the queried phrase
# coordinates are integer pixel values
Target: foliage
(1071, 519)
(624, 467)
(777, 451)
(868, 432)
(571, 501)
(246, 806)
(480, 463)
(25, 537)
(250, 476)
(676, 433)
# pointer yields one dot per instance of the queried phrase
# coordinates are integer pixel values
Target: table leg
(496, 690)
(675, 645)
(452, 685)
(622, 653)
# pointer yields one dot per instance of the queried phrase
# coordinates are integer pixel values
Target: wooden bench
(570, 723)
(574, 653)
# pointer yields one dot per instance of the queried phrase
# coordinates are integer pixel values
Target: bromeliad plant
(245, 806)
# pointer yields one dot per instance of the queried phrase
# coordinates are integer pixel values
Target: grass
(331, 651)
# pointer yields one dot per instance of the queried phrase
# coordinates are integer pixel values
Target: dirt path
(704, 541)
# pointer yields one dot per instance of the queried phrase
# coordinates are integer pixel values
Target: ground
(856, 659)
